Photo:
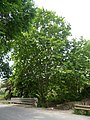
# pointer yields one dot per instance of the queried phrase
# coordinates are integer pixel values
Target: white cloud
(75, 11)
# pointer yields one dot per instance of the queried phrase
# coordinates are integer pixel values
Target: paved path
(20, 113)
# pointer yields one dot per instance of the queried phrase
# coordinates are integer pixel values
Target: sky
(76, 12)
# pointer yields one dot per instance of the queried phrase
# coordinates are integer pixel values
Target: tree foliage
(15, 17)
(39, 64)
(47, 64)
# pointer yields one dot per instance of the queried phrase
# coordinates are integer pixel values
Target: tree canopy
(47, 65)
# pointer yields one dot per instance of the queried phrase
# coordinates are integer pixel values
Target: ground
(9, 112)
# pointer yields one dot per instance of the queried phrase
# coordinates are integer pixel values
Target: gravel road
(8, 112)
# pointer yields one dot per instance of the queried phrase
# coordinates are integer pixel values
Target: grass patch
(82, 112)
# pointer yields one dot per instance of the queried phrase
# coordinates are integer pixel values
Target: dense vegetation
(47, 65)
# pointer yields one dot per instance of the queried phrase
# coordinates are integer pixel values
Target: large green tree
(39, 54)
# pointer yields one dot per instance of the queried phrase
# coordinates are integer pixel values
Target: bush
(82, 112)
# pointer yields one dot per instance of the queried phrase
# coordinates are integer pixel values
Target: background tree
(75, 64)
(86, 53)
